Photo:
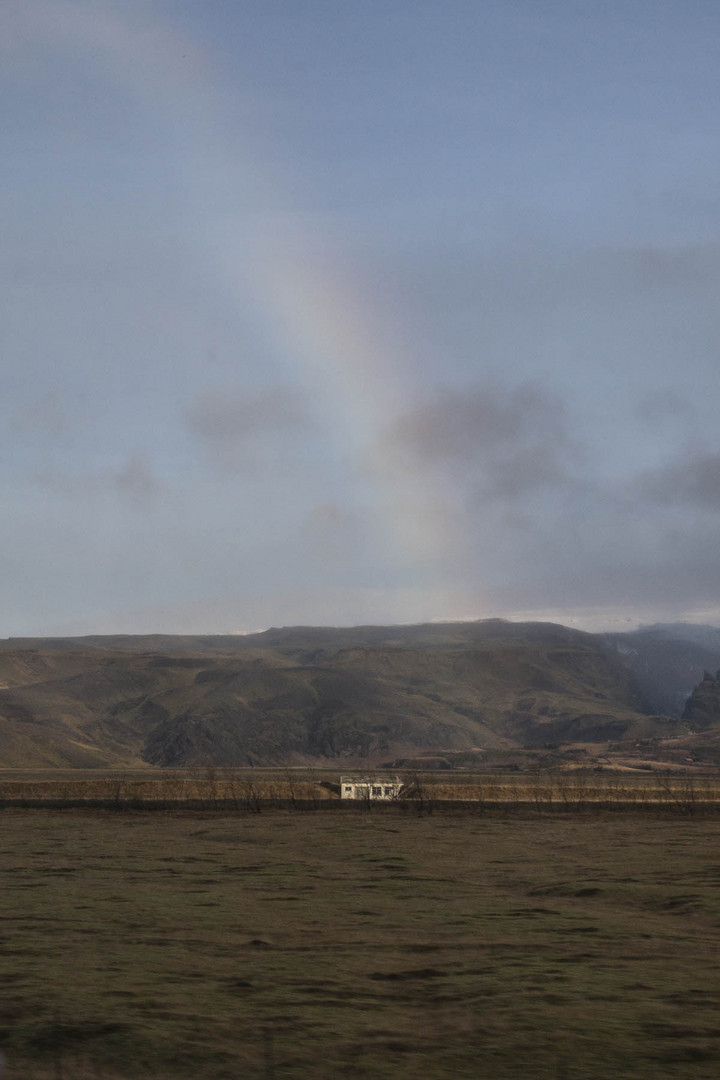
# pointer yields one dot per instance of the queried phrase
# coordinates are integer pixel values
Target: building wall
(370, 788)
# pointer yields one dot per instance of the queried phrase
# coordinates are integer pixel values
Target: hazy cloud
(666, 407)
(499, 442)
(247, 429)
(132, 481)
(226, 414)
(136, 479)
(44, 418)
(202, 197)
(331, 530)
(693, 482)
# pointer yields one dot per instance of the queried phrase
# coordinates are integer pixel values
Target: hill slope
(307, 694)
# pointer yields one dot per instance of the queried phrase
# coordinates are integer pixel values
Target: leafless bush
(681, 793)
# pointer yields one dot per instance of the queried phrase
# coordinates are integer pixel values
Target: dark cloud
(227, 415)
(501, 443)
(694, 482)
(45, 418)
(665, 407)
(240, 429)
(331, 530)
(691, 267)
(136, 479)
(133, 481)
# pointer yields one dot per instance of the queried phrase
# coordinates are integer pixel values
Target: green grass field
(383, 944)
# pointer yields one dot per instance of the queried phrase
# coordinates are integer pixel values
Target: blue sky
(326, 314)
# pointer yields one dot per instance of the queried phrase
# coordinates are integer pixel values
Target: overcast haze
(327, 313)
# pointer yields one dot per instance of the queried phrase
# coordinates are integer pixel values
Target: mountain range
(440, 694)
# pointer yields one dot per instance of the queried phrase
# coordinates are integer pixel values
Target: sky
(319, 313)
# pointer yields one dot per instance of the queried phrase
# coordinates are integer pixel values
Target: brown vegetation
(384, 944)
(255, 790)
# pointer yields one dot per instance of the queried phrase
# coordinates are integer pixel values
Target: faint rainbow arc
(338, 343)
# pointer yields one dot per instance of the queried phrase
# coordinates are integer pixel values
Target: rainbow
(344, 352)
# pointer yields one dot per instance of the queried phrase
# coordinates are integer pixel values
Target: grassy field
(383, 944)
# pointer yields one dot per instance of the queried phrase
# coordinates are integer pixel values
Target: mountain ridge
(317, 695)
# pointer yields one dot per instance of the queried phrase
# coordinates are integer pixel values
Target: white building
(370, 787)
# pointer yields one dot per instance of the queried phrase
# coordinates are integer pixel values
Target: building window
(377, 791)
